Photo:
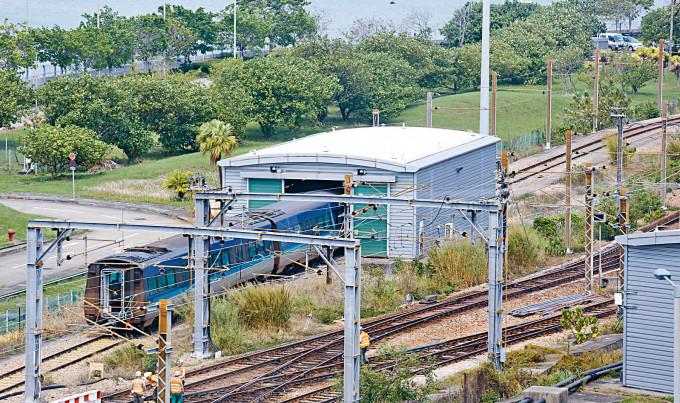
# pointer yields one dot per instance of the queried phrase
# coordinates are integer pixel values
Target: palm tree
(216, 137)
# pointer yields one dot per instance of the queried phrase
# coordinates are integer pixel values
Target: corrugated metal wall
(648, 317)
(469, 177)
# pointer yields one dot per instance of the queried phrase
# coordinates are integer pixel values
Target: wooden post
(596, 90)
(567, 201)
(660, 74)
(548, 125)
(589, 229)
(494, 90)
(429, 109)
(664, 143)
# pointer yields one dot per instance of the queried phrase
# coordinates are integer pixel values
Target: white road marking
(55, 209)
(108, 216)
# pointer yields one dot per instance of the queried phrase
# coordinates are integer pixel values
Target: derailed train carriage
(128, 285)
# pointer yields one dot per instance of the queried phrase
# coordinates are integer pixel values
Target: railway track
(435, 355)
(590, 145)
(13, 380)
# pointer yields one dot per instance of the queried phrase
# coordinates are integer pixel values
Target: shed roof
(401, 149)
(650, 238)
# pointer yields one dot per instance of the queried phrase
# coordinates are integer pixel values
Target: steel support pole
(589, 229)
(164, 362)
(429, 109)
(496, 252)
(473, 225)
(484, 81)
(59, 247)
(596, 90)
(660, 74)
(548, 123)
(352, 324)
(494, 92)
(199, 252)
(623, 230)
(34, 310)
(567, 201)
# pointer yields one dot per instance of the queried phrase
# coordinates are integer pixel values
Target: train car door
(113, 290)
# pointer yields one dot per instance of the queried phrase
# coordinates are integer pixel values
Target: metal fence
(522, 143)
(15, 318)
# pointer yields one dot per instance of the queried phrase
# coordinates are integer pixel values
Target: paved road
(99, 244)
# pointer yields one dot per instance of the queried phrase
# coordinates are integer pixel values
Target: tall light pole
(234, 29)
(670, 39)
(98, 13)
(663, 274)
(484, 82)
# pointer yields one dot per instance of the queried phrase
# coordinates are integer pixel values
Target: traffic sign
(72, 164)
(72, 156)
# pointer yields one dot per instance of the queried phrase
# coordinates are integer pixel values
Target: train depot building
(404, 162)
(648, 331)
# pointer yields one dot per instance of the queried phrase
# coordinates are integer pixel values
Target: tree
(364, 28)
(278, 90)
(16, 47)
(50, 145)
(656, 25)
(418, 22)
(150, 37)
(575, 321)
(675, 68)
(179, 182)
(633, 8)
(466, 24)
(216, 137)
(112, 42)
(199, 30)
(16, 98)
(282, 22)
(57, 46)
(567, 61)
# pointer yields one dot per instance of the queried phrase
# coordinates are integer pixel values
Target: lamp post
(663, 274)
(234, 50)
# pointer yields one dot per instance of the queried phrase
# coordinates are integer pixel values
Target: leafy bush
(179, 182)
(612, 146)
(578, 324)
(127, 358)
(263, 306)
(228, 333)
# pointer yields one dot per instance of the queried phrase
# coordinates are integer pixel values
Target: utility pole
(98, 13)
(596, 90)
(589, 228)
(623, 230)
(664, 139)
(484, 82)
(548, 125)
(660, 74)
(234, 29)
(494, 91)
(429, 109)
(567, 215)
(670, 38)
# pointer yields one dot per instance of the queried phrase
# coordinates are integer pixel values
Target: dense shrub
(263, 306)
(460, 264)
(525, 249)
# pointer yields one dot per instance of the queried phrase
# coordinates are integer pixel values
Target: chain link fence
(15, 318)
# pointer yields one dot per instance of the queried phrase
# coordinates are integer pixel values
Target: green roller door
(263, 186)
(372, 223)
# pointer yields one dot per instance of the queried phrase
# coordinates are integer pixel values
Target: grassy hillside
(12, 219)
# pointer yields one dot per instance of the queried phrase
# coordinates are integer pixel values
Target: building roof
(401, 149)
(650, 238)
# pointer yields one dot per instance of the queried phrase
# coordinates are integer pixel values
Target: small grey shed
(648, 309)
(406, 162)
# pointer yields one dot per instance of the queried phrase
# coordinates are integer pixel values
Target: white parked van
(616, 41)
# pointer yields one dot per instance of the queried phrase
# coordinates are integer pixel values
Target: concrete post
(596, 90)
(567, 201)
(34, 310)
(352, 324)
(494, 92)
(200, 246)
(664, 143)
(496, 252)
(548, 124)
(660, 74)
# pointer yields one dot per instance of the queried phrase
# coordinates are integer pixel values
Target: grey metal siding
(648, 317)
(469, 177)
(401, 228)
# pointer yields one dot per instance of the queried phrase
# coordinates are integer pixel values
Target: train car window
(162, 284)
(252, 249)
(260, 248)
(152, 285)
(170, 274)
(315, 221)
(296, 228)
(225, 258)
(244, 252)
(239, 254)
(138, 277)
(268, 245)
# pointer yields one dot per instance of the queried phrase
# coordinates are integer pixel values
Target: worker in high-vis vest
(365, 342)
(176, 389)
(152, 383)
(138, 388)
(180, 368)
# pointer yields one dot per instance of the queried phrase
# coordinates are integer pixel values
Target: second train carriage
(128, 285)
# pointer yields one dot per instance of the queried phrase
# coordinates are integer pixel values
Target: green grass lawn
(12, 219)
(519, 112)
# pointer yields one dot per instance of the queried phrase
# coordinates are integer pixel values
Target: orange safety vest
(176, 386)
(365, 340)
(181, 372)
(138, 386)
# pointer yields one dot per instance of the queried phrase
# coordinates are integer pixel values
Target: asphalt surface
(100, 243)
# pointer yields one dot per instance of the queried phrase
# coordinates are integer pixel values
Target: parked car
(631, 43)
(615, 40)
